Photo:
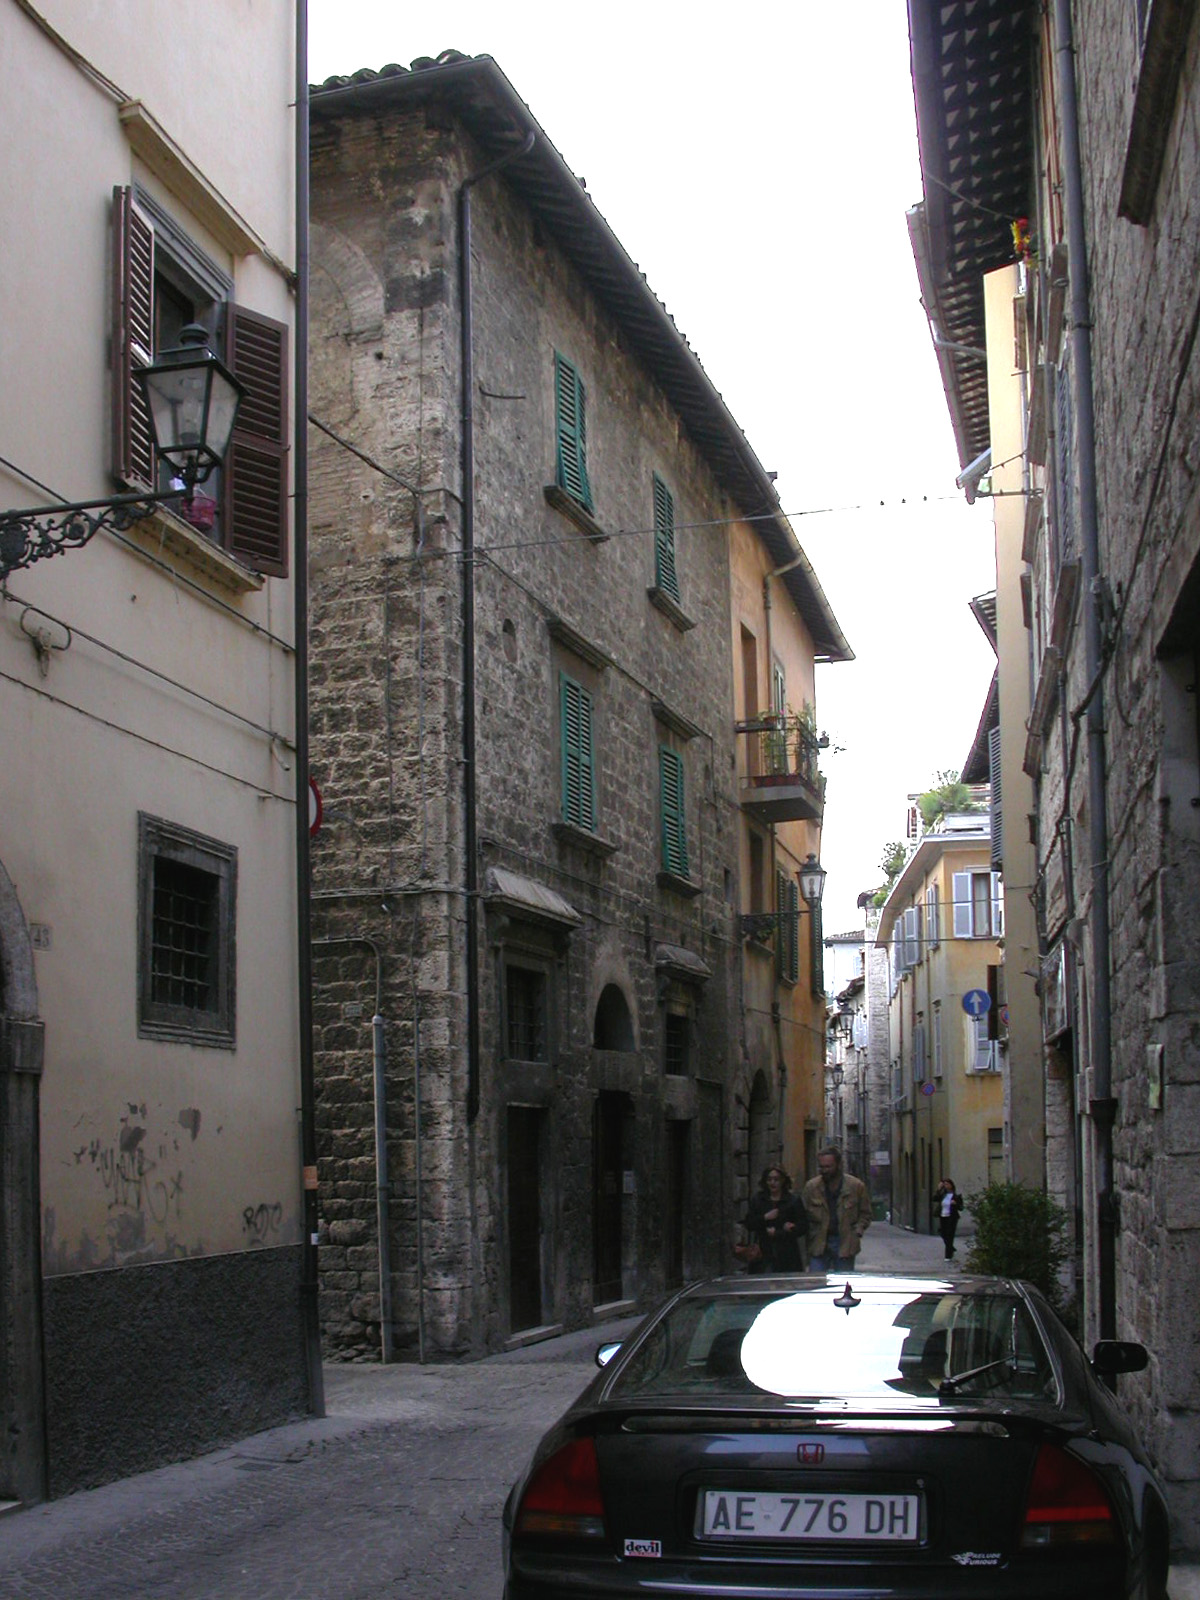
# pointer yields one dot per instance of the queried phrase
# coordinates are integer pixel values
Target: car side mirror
(606, 1352)
(1119, 1355)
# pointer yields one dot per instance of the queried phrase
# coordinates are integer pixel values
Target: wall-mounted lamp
(839, 1076)
(811, 876)
(192, 400)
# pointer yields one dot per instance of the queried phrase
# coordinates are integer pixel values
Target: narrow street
(395, 1495)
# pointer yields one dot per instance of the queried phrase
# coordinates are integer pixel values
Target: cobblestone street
(395, 1495)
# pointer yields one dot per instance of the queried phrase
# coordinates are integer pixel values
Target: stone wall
(1147, 415)
(386, 740)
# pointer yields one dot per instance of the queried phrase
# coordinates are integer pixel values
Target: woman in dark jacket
(947, 1206)
(775, 1222)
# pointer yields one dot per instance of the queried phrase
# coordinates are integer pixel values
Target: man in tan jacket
(838, 1210)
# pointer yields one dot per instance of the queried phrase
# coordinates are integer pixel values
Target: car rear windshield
(925, 1348)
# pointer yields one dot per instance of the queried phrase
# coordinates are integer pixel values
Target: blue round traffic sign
(977, 1002)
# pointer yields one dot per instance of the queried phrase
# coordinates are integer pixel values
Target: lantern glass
(812, 881)
(192, 400)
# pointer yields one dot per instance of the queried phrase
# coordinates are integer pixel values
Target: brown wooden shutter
(132, 339)
(256, 468)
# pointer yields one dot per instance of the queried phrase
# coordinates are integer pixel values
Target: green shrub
(1019, 1233)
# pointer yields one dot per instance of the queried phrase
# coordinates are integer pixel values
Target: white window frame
(933, 931)
(984, 1052)
(965, 923)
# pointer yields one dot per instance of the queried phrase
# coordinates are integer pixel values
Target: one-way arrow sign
(977, 1002)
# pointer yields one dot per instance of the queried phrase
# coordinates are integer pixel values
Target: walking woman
(948, 1204)
(775, 1222)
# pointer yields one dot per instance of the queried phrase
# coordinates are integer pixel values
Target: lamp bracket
(36, 534)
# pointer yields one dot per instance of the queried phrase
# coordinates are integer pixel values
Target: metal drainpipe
(309, 1309)
(1103, 1105)
(379, 1079)
(470, 865)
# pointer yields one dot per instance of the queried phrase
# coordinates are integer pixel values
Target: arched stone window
(613, 1025)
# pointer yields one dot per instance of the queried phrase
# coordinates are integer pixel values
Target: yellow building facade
(943, 923)
(781, 803)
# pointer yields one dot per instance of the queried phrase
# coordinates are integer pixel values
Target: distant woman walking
(775, 1222)
(948, 1204)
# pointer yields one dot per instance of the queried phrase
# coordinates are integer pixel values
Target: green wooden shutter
(787, 945)
(578, 767)
(664, 540)
(570, 406)
(674, 829)
(816, 951)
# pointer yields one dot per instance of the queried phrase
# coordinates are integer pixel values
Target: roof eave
(564, 205)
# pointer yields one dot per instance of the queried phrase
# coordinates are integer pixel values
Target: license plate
(869, 1518)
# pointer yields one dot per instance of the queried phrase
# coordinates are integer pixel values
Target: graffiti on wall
(146, 1171)
(261, 1223)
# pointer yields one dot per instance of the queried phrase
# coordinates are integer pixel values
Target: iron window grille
(525, 1014)
(187, 935)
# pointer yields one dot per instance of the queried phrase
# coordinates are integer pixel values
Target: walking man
(838, 1209)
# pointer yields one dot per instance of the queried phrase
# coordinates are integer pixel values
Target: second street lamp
(811, 876)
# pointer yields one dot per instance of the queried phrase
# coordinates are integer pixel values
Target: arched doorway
(762, 1144)
(22, 1418)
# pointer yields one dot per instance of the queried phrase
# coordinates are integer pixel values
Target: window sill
(590, 843)
(671, 609)
(679, 885)
(166, 534)
(214, 1038)
(574, 512)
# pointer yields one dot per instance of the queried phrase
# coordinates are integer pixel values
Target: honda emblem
(810, 1455)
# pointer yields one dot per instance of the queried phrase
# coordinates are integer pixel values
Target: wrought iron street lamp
(812, 880)
(192, 400)
(811, 876)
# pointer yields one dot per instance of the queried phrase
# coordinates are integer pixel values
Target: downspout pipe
(309, 1308)
(470, 837)
(1103, 1105)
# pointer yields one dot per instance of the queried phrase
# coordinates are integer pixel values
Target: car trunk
(898, 1491)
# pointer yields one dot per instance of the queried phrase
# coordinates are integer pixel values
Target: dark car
(809, 1437)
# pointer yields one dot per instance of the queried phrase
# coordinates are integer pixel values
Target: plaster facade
(152, 1192)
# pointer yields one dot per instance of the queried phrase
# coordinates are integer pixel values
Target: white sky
(757, 161)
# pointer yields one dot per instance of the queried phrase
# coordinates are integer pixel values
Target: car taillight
(563, 1496)
(1066, 1504)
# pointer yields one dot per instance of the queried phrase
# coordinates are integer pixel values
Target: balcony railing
(783, 782)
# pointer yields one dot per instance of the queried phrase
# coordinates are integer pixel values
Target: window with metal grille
(665, 575)
(570, 422)
(187, 957)
(675, 1045)
(525, 1013)
(183, 935)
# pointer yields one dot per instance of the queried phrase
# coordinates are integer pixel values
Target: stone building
(153, 1255)
(1083, 164)
(534, 1096)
